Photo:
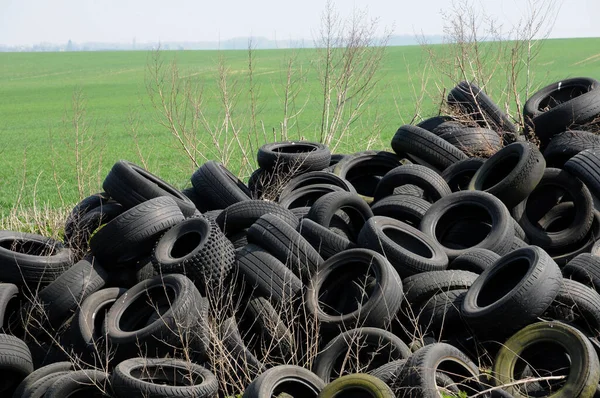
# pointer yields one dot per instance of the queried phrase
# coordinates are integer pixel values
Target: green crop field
(38, 159)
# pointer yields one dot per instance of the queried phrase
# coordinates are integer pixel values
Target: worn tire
(295, 380)
(364, 384)
(426, 148)
(134, 232)
(15, 363)
(475, 260)
(409, 250)
(511, 174)
(568, 144)
(459, 175)
(132, 185)
(433, 185)
(474, 210)
(218, 186)
(512, 293)
(162, 378)
(296, 156)
(326, 242)
(406, 208)
(584, 370)
(92, 382)
(347, 267)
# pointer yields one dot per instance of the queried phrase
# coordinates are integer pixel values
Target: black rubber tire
(162, 378)
(86, 327)
(425, 147)
(134, 232)
(364, 384)
(197, 248)
(9, 304)
(560, 106)
(131, 185)
(93, 383)
(286, 244)
(295, 156)
(577, 305)
(266, 276)
(64, 295)
(472, 208)
(389, 372)
(364, 170)
(196, 199)
(419, 374)
(475, 260)
(474, 141)
(31, 259)
(512, 293)
(420, 288)
(328, 288)
(153, 316)
(39, 388)
(563, 186)
(586, 166)
(433, 185)
(324, 209)
(584, 268)
(30, 382)
(86, 217)
(218, 187)
(326, 242)
(242, 215)
(440, 314)
(15, 363)
(511, 174)
(476, 104)
(295, 380)
(568, 144)
(458, 176)
(271, 336)
(406, 208)
(306, 196)
(314, 178)
(376, 345)
(430, 124)
(584, 369)
(409, 250)
(237, 352)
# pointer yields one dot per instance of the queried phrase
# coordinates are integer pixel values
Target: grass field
(37, 159)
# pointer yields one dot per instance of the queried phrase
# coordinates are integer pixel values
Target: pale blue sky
(26, 22)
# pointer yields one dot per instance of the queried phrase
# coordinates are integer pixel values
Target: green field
(37, 160)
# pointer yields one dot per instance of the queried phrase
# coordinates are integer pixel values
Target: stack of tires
(462, 262)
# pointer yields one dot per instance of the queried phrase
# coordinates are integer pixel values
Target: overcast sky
(25, 22)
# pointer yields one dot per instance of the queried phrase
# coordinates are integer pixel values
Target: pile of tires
(464, 262)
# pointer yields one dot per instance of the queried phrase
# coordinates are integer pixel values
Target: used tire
(132, 185)
(324, 209)
(218, 186)
(86, 382)
(512, 293)
(266, 276)
(25, 388)
(425, 147)
(409, 250)
(555, 186)
(155, 314)
(476, 260)
(15, 363)
(134, 232)
(296, 381)
(473, 211)
(374, 346)
(364, 384)
(474, 141)
(420, 371)
(475, 103)
(286, 244)
(326, 242)
(240, 216)
(326, 296)
(406, 208)
(197, 248)
(584, 370)
(30, 259)
(433, 185)
(294, 156)
(561, 105)
(511, 174)
(586, 166)
(459, 175)
(162, 378)
(568, 144)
